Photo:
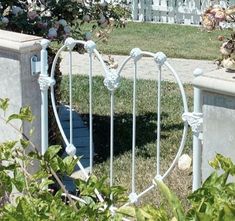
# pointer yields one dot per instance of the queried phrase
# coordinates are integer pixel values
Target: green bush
(58, 19)
(25, 196)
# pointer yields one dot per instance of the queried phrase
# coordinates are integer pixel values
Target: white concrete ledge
(218, 81)
(19, 42)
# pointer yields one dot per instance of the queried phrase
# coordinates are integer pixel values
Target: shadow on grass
(146, 132)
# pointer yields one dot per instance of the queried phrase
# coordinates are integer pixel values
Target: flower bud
(16, 10)
(5, 20)
(63, 22)
(52, 33)
(86, 18)
(67, 29)
(32, 15)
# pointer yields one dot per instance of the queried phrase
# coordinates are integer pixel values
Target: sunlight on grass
(178, 41)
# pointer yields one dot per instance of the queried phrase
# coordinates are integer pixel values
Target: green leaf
(4, 103)
(172, 200)
(141, 215)
(51, 152)
(25, 210)
(56, 164)
(35, 155)
(127, 211)
(5, 183)
(214, 163)
(19, 180)
(40, 174)
(24, 143)
(69, 164)
(45, 183)
(225, 163)
(25, 114)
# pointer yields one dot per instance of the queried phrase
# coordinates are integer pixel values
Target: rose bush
(58, 19)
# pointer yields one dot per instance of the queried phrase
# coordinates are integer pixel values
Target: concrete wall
(17, 83)
(218, 91)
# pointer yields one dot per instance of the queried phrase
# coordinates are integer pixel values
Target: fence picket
(173, 11)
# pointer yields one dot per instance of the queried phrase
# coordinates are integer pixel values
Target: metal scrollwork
(112, 79)
(195, 120)
(45, 82)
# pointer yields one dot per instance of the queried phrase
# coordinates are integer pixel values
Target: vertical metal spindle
(70, 99)
(44, 97)
(90, 113)
(111, 136)
(133, 131)
(159, 118)
(197, 145)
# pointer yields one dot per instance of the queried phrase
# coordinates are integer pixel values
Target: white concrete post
(19, 85)
(197, 144)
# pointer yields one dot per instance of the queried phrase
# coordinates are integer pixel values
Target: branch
(64, 189)
(19, 131)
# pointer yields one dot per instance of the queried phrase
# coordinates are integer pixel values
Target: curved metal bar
(185, 123)
(123, 64)
(56, 113)
(180, 85)
(53, 96)
(182, 143)
(101, 60)
(55, 110)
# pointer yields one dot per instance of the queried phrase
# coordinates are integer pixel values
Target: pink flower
(32, 15)
(42, 25)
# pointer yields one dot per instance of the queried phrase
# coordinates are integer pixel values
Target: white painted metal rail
(112, 82)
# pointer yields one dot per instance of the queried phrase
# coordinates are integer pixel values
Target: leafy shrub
(58, 19)
(25, 196)
(215, 200)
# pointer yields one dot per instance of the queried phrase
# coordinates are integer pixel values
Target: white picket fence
(173, 11)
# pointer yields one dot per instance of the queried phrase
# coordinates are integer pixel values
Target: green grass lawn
(146, 130)
(178, 41)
